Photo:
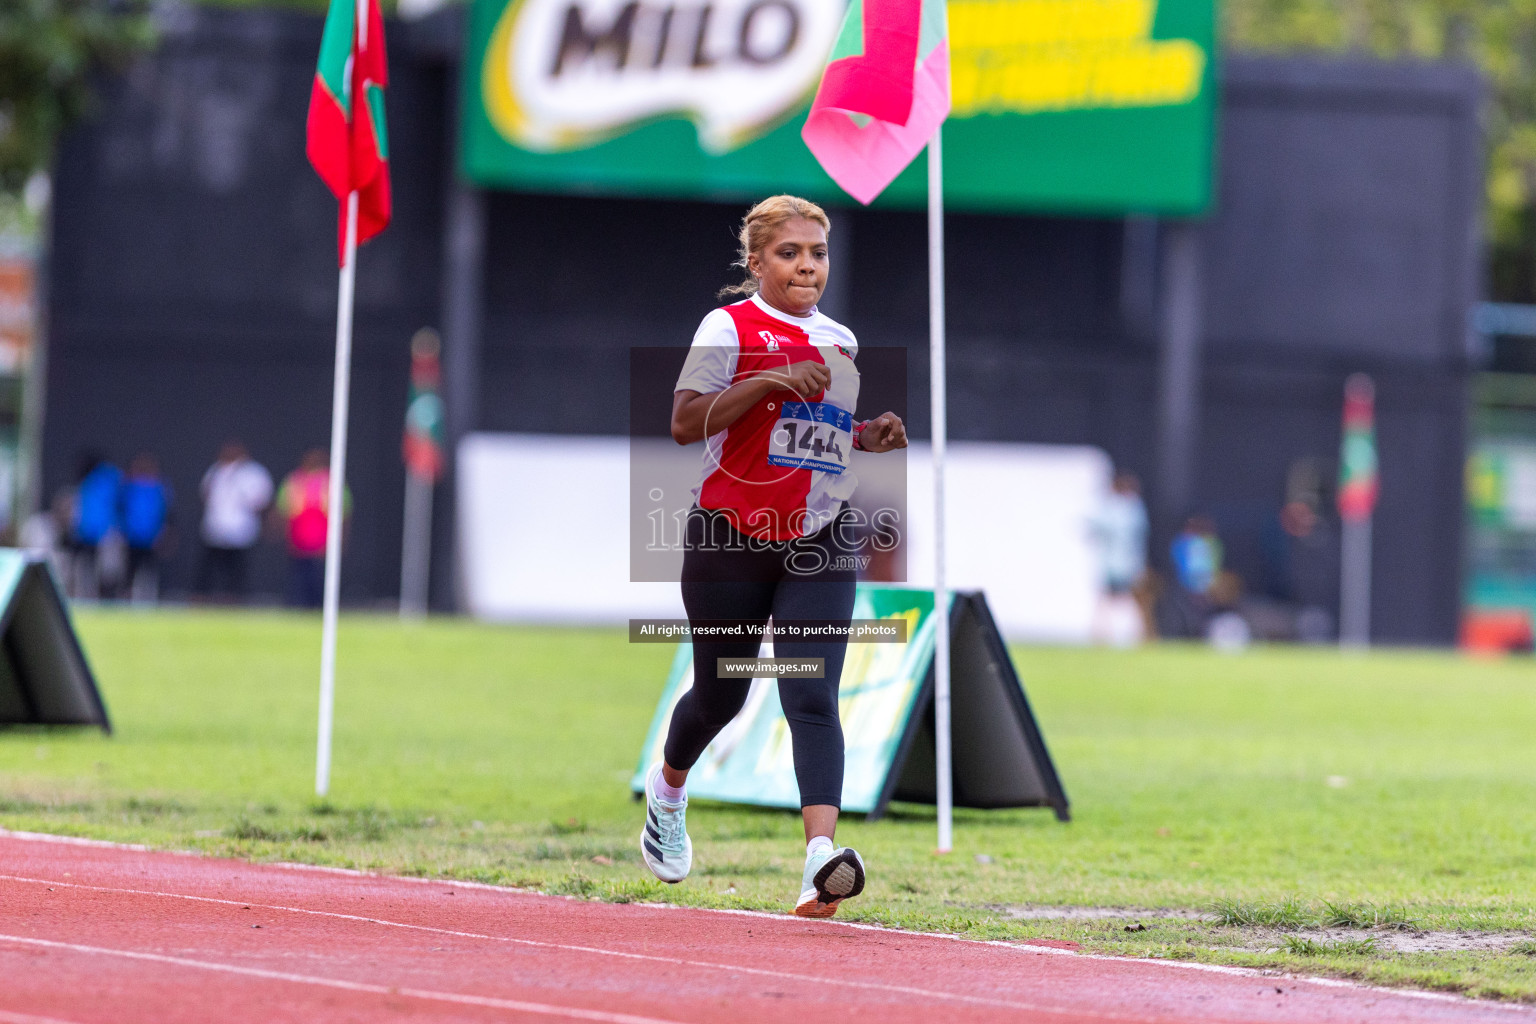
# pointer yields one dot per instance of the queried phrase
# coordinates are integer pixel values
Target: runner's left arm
(884, 433)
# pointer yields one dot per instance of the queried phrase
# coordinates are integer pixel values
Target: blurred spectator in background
(236, 491)
(44, 531)
(303, 506)
(95, 567)
(145, 512)
(1300, 545)
(1196, 556)
(1186, 606)
(1120, 530)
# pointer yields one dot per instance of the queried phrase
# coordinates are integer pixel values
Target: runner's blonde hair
(759, 226)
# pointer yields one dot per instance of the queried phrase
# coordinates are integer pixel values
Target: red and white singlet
(782, 470)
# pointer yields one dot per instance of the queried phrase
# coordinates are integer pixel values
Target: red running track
(91, 934)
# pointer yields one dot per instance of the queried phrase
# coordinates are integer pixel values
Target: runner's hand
(884, 433)
(805, 378)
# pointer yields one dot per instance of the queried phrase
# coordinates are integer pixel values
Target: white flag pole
(336, 512)
(1355, 603)
(942, 749)
(416, 547)
(416, 536)
(1355, 537)
(336, 509)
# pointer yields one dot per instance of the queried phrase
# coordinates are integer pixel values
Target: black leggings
(729, 577)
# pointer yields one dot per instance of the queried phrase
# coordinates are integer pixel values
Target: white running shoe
(829, 879)
(664, 841)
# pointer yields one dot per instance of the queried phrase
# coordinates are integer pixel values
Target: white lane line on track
(101, 844)
(547, 1009)
(1023, 946)
(8, 1017)
(828, 984)
(1016, 947)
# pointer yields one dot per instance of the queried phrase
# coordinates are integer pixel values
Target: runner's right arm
(693, 412)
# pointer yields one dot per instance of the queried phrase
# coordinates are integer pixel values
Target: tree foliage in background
(1498, 36)
(310, 6)
(49, 51)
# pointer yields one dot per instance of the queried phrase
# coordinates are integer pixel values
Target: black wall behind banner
(194, 276)
(194, 298)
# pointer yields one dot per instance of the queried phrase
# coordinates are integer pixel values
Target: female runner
(770, 386)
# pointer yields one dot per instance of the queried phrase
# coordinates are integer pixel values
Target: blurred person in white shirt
(1120, 529)
(236, 491)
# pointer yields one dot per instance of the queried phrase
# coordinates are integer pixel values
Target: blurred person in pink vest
(303, 505)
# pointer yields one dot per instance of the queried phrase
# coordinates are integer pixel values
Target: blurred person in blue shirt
(145, 513)
(1184, 609)
(93, 526)
(1197, 556)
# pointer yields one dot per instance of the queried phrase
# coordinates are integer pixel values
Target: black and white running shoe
(664, 842)
(829, 879)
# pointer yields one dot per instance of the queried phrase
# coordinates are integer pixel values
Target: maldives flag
(346, 141)
(1358, 479)
(883, 95)
(423, 444)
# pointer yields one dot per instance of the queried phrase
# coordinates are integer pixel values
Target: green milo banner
(751, 762)
(1063, 105)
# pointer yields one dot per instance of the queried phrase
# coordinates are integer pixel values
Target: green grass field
(1371, 817)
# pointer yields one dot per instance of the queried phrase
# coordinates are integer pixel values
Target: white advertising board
(546, 524)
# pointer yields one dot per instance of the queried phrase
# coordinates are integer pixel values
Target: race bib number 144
(812, 435)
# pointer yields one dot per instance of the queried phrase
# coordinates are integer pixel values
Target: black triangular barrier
(999, 756)
(44, 677)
